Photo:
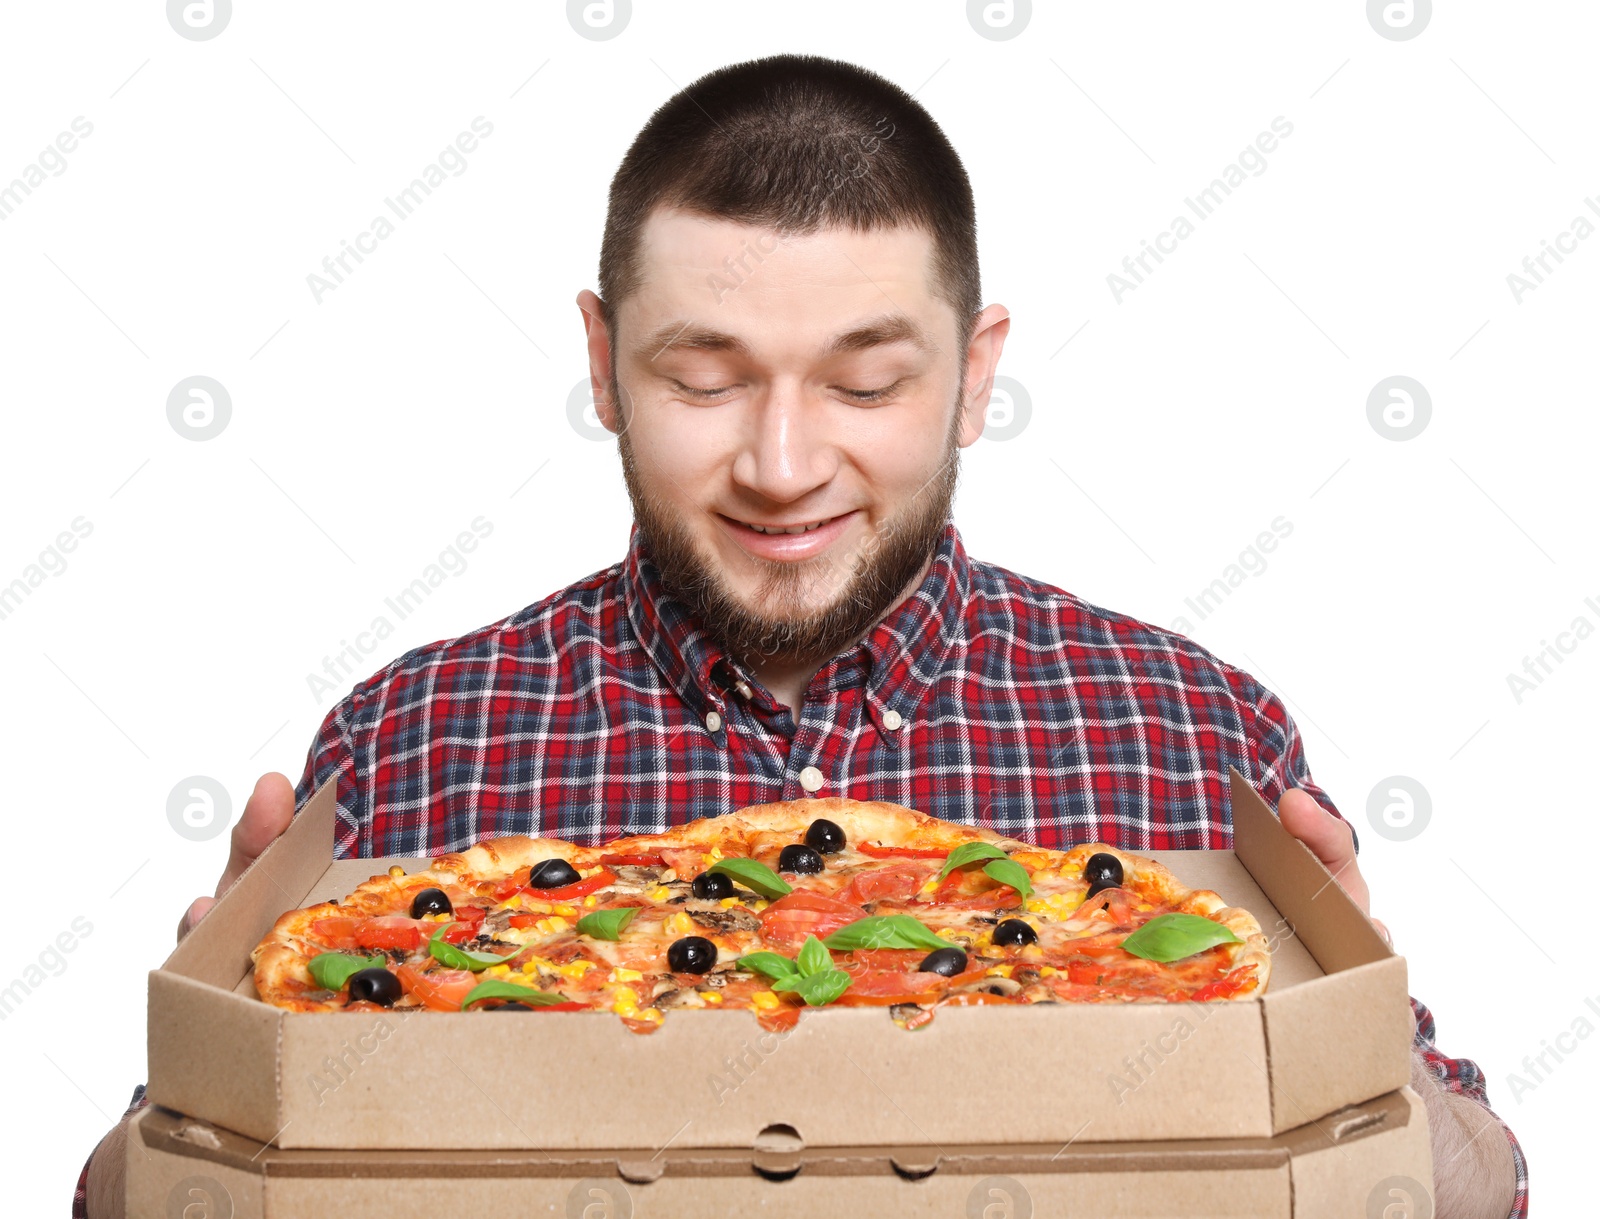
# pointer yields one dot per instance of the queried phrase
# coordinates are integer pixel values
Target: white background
(1229, 389)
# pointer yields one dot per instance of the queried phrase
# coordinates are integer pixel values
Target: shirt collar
(897, 662)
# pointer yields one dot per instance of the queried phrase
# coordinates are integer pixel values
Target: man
(790, 345)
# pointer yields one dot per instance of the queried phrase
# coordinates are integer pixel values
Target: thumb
(1329, 838)
(266, 815)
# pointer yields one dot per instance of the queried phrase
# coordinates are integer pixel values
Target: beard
(789, 627)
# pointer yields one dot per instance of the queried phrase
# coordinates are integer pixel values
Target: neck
(787, 679)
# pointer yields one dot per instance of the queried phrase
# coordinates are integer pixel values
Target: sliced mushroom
(666, 995)
(991, 986)
(636, 875)
(736, 918)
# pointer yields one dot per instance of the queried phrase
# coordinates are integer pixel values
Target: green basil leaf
(814, 957)
(754, 876)
(770, 964)
(333, 969)
(1171, 937)
(818, 988)
(496, 989)
(969, 852)
(452, 957)
(607, 924)
(884, 931)
(1010, 872)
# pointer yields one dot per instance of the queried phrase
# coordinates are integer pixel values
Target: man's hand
(1332, 841)
(266, 815)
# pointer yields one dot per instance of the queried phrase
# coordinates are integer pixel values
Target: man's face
(791, 412)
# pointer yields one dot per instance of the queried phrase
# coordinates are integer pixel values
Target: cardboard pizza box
(1334, 1029)
(1334, 1168)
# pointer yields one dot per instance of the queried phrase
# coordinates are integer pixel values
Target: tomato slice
(879, 851)
(687, 862)
(337, 933)
(643, 861)
(439, 989)
(895, 881)
(787, 922)
(390, 931)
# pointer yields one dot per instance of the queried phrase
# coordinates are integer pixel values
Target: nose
(785, 451)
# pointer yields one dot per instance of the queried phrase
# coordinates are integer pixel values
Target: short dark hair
(797, 143)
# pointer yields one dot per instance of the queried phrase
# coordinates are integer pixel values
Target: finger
(266, 815)
(198, 909)
(1329, 838)
(1384, 932)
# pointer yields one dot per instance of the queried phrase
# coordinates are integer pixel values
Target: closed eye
(699, 393)
(873, 395)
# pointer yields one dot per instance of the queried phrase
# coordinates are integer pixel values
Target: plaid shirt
(985, 698)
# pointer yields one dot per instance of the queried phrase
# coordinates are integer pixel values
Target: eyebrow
(691, 336)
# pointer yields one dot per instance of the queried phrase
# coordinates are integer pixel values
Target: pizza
(773, 909)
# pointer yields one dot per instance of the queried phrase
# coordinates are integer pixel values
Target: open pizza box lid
(1329, 1169)
(1334, 1029)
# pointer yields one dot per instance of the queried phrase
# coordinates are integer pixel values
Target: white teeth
(789, 529)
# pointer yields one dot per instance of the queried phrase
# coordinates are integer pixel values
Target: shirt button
(892, 720)
(713, 721)
(811, 778)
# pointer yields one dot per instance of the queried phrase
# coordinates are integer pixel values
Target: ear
(983, 355)
(598, 340)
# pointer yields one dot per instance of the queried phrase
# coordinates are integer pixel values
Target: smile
(783, 542)
(788, 528)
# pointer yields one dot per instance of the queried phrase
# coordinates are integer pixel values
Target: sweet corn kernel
(680, 923)
(497, 971)
(574, 969)
(999, 971)
(947, 933)
(588, 872)
(1070, 871)
(1048, 971)
(727, 903)
(514, 902)
(652, 1014)
(566, 910)
(625, 975)
(758, 906)
(930, 886)
(1144, 906)
(1035, 905)
(557, 923)
(658, 893)
(766, 1000)
(626, 1002)
(711, 996)
(711, 856)
(590, 902)
(529, 965)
